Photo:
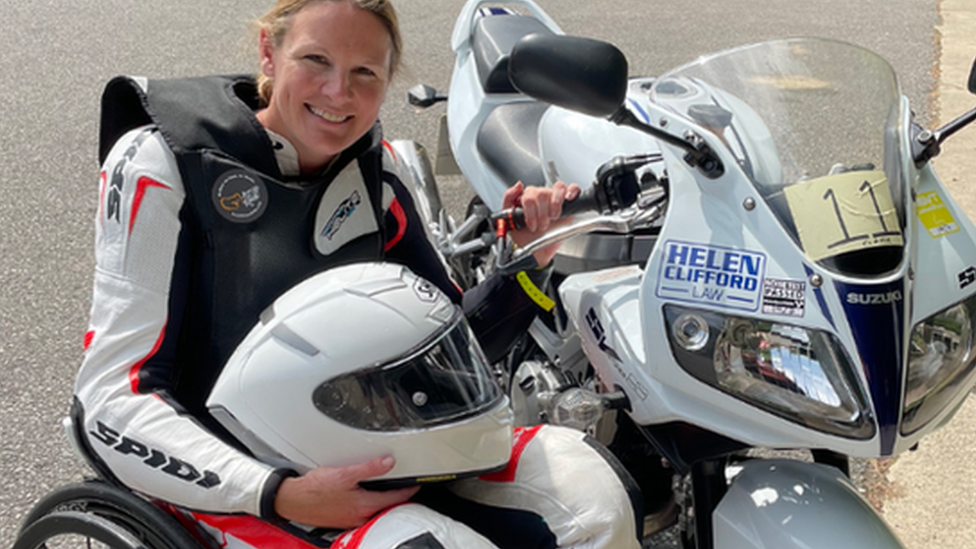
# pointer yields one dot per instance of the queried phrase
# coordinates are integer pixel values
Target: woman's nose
(336, 85)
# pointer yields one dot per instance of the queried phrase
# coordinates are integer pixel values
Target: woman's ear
(266, 53)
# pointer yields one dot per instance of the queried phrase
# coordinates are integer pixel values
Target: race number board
(842, 213)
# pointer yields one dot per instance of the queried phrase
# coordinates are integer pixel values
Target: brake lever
(621, 222)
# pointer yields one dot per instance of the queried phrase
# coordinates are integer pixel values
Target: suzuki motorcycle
(767, 260)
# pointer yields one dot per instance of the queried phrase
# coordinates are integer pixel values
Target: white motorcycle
(772, 263)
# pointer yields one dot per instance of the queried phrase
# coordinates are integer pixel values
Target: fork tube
(707, 487)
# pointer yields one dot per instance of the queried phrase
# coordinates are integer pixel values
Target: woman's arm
(130, 423)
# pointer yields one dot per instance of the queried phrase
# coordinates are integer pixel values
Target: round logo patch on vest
(239, 196)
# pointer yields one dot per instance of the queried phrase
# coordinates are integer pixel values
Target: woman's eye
(317, 59)
(365, 71)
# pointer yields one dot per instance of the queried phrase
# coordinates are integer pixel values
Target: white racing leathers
(147, 441)
(142, 437)
(566, 478)
(557, 477)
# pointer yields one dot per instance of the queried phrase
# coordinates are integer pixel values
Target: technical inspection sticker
(784, 297)
(700, 273)
(935, 217)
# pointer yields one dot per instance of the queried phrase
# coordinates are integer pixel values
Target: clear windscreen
(815, 125)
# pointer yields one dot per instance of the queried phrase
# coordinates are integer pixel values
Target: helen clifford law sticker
(784, 297)
(717, 275)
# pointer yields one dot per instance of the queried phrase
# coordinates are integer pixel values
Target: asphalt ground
(58, 55)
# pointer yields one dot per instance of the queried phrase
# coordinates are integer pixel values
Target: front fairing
(814, 125)
(730, 246)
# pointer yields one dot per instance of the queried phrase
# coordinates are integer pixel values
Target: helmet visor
(445, 379)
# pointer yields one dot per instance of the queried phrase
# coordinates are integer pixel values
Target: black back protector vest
(248, 233)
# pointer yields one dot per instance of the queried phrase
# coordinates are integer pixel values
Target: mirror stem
(926, 145)
(944, 132)
(698, 154)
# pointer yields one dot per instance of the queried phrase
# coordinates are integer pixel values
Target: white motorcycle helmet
(360, 362)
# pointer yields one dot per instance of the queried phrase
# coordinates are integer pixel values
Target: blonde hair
(277, 21)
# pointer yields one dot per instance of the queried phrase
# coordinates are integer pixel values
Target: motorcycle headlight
(940, 359)
(796, 373)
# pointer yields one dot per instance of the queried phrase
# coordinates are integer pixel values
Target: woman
(218, 194)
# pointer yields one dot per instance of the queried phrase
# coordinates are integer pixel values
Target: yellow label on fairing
(934, 215)
(842, 213)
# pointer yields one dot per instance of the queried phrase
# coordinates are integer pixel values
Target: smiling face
(330, 73)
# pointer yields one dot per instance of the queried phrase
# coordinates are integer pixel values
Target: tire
(91, 527)
(103, 503)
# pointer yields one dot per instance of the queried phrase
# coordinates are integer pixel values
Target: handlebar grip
(584, 202)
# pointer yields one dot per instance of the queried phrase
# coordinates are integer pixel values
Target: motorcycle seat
(492, 42)
(508, 140)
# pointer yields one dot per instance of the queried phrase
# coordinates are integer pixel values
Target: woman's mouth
(328, 117)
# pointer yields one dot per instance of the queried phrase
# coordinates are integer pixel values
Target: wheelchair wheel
(71, 528)
(78, 514)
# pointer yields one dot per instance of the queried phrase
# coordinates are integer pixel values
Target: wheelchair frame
(101, 510)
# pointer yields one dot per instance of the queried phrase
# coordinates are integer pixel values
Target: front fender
(779, 503)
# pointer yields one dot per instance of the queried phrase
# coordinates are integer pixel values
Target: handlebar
(648, 209)
(616, 196)
(616, 188)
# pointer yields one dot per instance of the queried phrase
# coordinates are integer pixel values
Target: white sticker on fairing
(784, 297)
(345, 212)
(699, 273)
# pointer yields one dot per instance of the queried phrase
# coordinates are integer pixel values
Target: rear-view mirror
(579, 74)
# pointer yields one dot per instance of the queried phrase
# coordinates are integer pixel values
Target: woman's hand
(542, 207)
(330, 497)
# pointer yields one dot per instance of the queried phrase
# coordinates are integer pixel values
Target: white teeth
(327, 116)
